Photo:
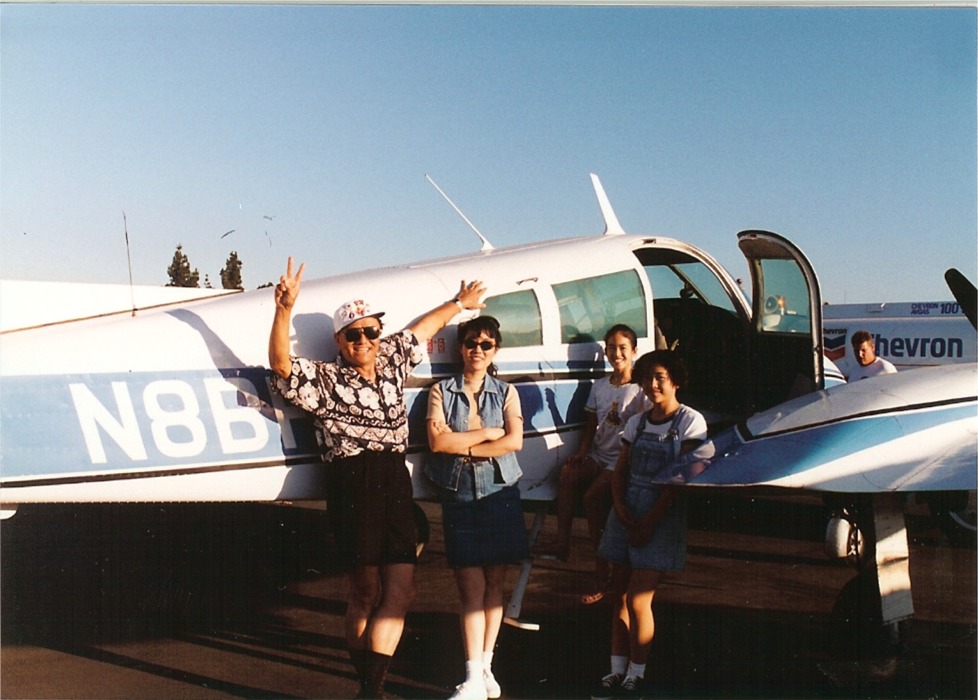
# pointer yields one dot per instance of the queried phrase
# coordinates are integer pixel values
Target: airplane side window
(519, 318)
(589, 307)
(787, 305)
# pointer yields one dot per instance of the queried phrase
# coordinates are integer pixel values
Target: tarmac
(244, 600)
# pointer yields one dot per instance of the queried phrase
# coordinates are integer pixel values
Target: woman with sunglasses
(475, 427)
(360, 418)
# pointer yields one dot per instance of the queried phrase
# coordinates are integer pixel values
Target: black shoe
(607, 688)
(632, 688)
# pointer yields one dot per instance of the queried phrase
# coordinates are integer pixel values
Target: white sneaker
(492, 686)
(470, 690)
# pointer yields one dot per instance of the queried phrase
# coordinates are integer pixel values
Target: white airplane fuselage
(174, 403)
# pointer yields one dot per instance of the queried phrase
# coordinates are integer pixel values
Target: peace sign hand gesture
(287, 289)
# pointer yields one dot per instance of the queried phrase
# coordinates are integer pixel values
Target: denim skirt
(486, 531)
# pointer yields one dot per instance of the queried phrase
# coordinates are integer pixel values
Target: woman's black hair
(674, 364)
(477, 326)
(625, 331)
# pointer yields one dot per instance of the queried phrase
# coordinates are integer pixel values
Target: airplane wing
(912, 431)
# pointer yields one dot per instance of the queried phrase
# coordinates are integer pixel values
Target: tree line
(182, 275)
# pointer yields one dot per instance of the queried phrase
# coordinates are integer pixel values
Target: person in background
(870, 364)
(611, 402)
(357, 403)
(645, 536)
(475, 427)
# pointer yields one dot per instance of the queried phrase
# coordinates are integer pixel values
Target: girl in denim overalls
(645, 535)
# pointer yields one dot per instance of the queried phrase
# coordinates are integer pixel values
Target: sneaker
(470, 690)
(492, 686)
(631, 688)
(608, 687)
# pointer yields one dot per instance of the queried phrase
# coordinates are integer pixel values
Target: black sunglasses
(486, 345)
(352, 335)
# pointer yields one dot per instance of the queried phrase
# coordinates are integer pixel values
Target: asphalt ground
(217, 601)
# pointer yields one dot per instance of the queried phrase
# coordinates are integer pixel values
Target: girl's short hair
(674, 364)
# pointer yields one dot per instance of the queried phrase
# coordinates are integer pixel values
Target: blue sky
(307, 130)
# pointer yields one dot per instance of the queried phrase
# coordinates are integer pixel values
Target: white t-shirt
(691, 425)
(613, 406)
(877, 366)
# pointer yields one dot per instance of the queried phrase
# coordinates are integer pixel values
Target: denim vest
(446, 469)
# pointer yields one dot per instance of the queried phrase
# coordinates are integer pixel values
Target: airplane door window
(786, 298)
(589, 307)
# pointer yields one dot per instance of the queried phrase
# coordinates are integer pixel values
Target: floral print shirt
(350, 413)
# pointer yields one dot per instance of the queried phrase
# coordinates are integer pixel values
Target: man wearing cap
(361, 424)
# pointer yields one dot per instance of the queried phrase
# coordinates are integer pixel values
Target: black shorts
(370, 504)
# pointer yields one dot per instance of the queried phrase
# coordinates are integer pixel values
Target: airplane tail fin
(611, 225)
(964, 293)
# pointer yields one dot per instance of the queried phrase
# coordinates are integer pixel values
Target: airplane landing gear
(871, 609)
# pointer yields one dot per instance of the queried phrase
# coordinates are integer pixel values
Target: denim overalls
(649, 456)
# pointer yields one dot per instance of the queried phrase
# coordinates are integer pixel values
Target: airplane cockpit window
(589, 307)
(519, 318)
(786, 300)
(688, 280)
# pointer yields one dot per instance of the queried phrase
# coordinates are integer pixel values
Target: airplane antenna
(486, 245)
(611, 225)
(132, 292)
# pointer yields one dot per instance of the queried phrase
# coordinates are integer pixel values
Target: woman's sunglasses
(485, 345)
(352, 335)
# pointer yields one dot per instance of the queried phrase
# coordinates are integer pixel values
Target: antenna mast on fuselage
(486, 245)
(132, 292)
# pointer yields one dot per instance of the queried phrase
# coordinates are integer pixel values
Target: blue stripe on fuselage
(132, 421)
(770, 458)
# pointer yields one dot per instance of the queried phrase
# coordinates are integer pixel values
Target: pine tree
(180, 272)
(231, 272)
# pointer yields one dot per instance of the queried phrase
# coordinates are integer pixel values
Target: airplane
(173, 404)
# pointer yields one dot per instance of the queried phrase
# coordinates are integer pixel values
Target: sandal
(592, 597)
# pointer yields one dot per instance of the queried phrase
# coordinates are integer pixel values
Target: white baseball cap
(351, 311)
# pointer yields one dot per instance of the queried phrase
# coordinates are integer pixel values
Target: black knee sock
(375, 675)
(359, 659)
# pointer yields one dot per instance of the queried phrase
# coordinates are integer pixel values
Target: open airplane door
(786, 338)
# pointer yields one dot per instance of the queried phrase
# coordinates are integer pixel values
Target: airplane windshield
(689, 280)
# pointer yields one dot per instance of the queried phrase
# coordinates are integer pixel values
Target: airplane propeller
(964, 293)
